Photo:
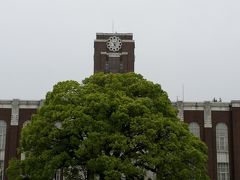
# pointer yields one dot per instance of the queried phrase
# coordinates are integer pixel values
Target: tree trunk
(90, 175)
(101, 177)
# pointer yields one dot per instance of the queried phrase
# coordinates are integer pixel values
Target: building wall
(123, 58)
(235, 125)
(206, 114)
(15, 113)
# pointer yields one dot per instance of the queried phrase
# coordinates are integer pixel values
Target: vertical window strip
(23, 155)
(3, 127)
(222, 150)
(223, 171)
(222, 137)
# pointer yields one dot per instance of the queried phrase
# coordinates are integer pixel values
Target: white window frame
(3, 134)
(194, 128)
(223, 171)
(221, 137)
(23, 155)
(222, 152)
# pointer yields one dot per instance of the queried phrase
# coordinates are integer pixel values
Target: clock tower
(114, 53)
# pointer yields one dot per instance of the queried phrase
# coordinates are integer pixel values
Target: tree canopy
(110, 125)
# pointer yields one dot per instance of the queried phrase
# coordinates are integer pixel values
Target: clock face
(114, 43)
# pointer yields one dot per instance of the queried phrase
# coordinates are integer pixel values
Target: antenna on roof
(183, 92)
(112, 26)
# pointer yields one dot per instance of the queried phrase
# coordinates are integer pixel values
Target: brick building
(215, 123)
(218, 125)
(114, 53)
(13, 115)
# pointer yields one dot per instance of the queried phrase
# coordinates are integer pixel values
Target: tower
(114, 53)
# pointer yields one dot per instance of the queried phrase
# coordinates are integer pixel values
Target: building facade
(215, 123)
(218, 125)
(13, 115)
(114, 53)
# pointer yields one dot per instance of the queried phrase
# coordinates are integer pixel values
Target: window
(3, 127)
(223, 171)
(222, 137)
(58, 175)
(2, 134)
(222, 152)
(194, 128)
(114, 64)
(24, 125)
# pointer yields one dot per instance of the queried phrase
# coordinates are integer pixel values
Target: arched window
(194, 128)
(3, 127)
(222, 151)
(23, 126)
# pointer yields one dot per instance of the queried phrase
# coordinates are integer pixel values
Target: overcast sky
(190, 42)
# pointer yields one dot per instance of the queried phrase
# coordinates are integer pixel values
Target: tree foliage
(113, 125)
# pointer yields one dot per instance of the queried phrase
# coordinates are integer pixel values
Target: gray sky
(190, 42)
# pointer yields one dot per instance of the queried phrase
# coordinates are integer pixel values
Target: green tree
(111, 125)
